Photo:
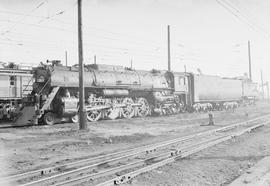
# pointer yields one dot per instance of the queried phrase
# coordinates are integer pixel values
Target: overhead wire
(54, 45)
(20, 14)
(43, 18)
(246, 14)
(103, 51)
(257, 28)
(66, 30)
(125, 50)
(102, 46)
(57, 28)
(61, 12)
(237, 13)
(32, 10)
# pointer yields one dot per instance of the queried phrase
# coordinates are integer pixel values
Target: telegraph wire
(232, 12)
(32, 51)
(104, 50)
(43, 18)
(246, 15)
(131, 52)
(87, 27)
(40, 5)
(21, 14)
(61, 12)
(98, 47)
(228, 7)
(34, 9)
(61, 29)
(35, 25)
(102, 46)
(71, 31)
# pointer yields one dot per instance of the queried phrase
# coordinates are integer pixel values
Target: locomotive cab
(182, 88)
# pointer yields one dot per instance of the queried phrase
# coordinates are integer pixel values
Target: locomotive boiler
(111, 92)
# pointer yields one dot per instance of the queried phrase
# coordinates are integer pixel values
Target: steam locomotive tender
(114, 91)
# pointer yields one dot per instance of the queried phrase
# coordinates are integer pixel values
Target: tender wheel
(113, 113)
(94, 115)
(1, 114)
(175, 109)
(75, 119)
(164, 111)
(144, 109)
(49, 118)
(170, 110)
(128, 111)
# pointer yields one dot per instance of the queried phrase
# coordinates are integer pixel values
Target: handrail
(43, 86)
(27, 84)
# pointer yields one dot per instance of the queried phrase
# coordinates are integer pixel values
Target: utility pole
(249, 61)
(66, 58)
(262, 84)
(82, 110)
(131, 64)
(267, 89)
(95, 59)
(169, 49)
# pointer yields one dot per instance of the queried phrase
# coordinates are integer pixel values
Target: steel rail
(135, 164)
(127, 177)
(82, 179)
(129, 152)
(81, 170)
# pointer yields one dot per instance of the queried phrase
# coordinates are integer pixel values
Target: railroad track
(120, 167)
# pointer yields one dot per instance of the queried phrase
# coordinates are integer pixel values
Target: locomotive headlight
(40, 79)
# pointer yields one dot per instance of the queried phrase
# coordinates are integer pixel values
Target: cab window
(12, 80)
(181, 81)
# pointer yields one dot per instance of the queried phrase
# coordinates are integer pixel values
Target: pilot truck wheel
(49, 118)
(75, 119)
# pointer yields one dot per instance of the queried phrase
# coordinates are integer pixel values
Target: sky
(211, 35)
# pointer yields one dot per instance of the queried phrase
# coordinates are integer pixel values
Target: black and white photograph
(134, 92)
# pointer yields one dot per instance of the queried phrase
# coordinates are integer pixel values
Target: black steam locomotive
(114, 91)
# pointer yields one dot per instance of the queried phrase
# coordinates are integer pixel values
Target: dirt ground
(28, 148)
(258, 175)
(218, 165)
